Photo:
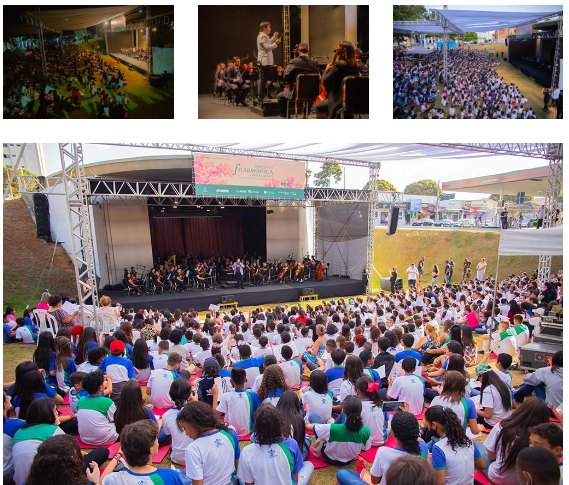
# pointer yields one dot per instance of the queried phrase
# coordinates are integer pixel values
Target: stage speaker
(227, 298)
(506, 42)
(41, 212)
(308, 291)
(385, 284)
(393, 219)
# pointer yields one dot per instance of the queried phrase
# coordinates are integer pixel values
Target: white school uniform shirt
(497, 478)
(491, 399)
(160, 360)
(458, 463)
(239, 407)
(193, 348)
(320, 404)
(409, 388)
(159, 383)
(465, 409)
(265, 351)
(375, 419)
(200, 357)
(95, 420)
(347, 389)
(385, 456)
(24, 334)
(211, 457)
(257, 383)
(302, 342)
(292, 370)
(180, 440)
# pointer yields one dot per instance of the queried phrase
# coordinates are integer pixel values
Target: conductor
(265, 47)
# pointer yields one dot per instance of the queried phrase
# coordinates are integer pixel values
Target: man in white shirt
(412, 273)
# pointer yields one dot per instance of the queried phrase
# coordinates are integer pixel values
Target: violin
(296, 51)
(323, 94)
(242, 67)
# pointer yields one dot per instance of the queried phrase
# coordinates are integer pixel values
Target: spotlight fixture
(175, 206)
(222, 207)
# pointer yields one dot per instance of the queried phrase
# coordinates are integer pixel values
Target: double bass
(323, 94)
(319, 275)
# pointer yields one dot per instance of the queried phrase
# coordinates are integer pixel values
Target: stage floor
(540, 76)
(250, 295)
(210, 108)
(140, 66)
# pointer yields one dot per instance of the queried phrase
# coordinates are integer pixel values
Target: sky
(503, 8)
(399, 173)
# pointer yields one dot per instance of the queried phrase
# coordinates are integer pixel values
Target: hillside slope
(407, 246)
(27, 261)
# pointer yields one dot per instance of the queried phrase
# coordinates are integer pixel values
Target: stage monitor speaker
(308, 291)
(41, 212)
(393, 219)
(385, 284)
(227, 298)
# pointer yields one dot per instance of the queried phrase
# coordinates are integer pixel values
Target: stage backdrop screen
(118, 22)
(230, 176)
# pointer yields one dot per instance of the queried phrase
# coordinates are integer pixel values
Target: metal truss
(188, 147)
(136, 26)
(83, 255)
(8, 190)
(531, 150)
(286, 35)
(148, 43)
(558, 45)
(373, 203)
(539, 19)
(443, 21)
(554, 181)
(29, 184)
(30, 19)
(42, 54)
(413, 23)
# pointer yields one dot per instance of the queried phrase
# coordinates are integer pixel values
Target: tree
(510, 198)
(382, 186)
(15, 188)
(408, 12)
(328, 170)
(470, 36)
(423, 187)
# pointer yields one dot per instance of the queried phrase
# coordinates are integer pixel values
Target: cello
(319, 275)
(323, 94)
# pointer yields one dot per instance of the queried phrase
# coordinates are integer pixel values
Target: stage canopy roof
(420, 50)
(69, 19)
(548, 242)
(480, 21)
(532, 181)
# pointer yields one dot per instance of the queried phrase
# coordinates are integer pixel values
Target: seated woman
(64, 319)
(333, 79)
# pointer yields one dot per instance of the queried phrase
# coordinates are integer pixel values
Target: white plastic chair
(107, 321)
(46, 322)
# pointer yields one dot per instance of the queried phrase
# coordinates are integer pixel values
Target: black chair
(356, 96)
(307, 90)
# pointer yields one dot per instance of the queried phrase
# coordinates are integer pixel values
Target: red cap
(77, 330)
(117, 347)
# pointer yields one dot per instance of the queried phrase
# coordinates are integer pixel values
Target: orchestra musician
(130, 281)
(364, 70)
(219, 82)
(301, 65)
(235, 84)
(260, 274)
(156, 279)
(265, 47)
(179, 279)
(346, 65)
(238, 268)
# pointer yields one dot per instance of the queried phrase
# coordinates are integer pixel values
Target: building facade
(32, 160)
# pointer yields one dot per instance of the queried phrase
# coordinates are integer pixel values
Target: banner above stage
(240, 176)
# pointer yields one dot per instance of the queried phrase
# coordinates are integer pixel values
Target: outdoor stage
(252, 295)
(138, 66)
(540, 76)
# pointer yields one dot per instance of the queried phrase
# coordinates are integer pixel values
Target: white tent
(420, 50)
(548, 242)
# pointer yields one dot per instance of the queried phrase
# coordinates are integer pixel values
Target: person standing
(540, 214)
(411, 275)
(546, 97)
(393, 278)
(448, 274)
(238, 272)
(504, 218)
(265, 47)
(420, 268)
(481, 269)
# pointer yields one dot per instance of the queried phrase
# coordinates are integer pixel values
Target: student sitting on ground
(291, 411)
(550, 437)
(405, 429)
(292, 368)
(411, 470)
(341, 443)
(508, 438)
(158, 387)
(454, 455)
(27, 334)
(274, 458)
(9, 330)
(546, 382)
(239, 405)
(335, 374)
(78, 392)
(409, 388)
(131, 407)
(317, 399)
(160, 359)
(180, 393)
(142, 361)
(213, 458)
(95, 357)
(95, 413)
(537, 466)
(139, 444)
(272, 385)
(495, 397)
(501, 341)
(64, 364)
(372, 409)
(119, 368)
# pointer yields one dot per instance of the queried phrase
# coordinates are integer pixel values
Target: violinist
(301, 65)
(235, 84)
(219, 83)
(364, 70)
(179, 279)
(346, 65)
(131, 283)
(156, 279)
(260, 274)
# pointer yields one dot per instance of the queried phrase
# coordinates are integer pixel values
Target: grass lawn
(530, 89)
